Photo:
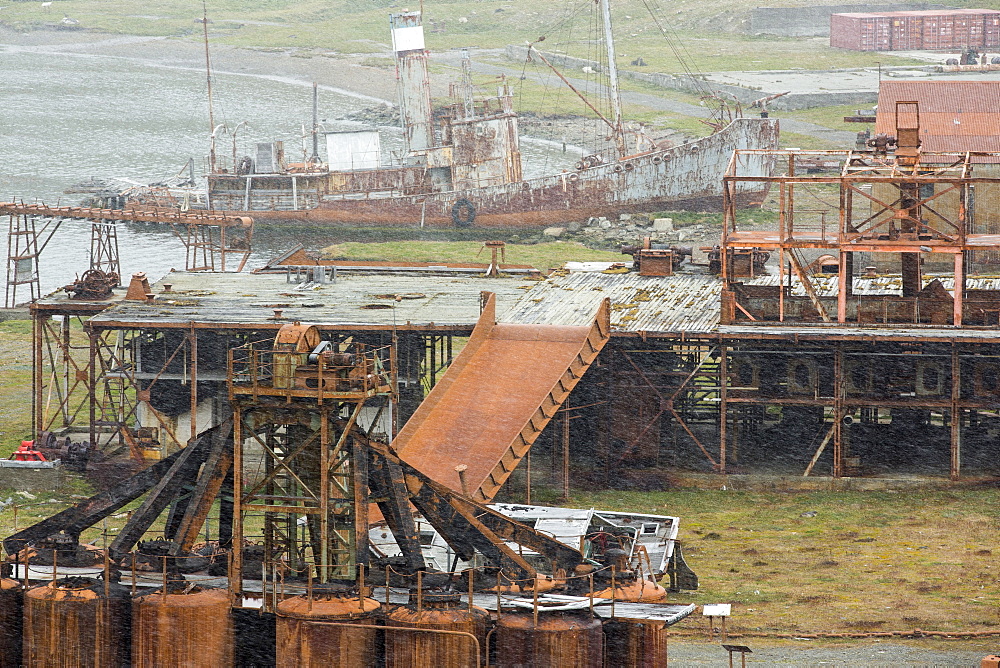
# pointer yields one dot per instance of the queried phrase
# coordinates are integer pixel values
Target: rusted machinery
(307, 480)
(653, 259)
(74, 455)
(94, 284)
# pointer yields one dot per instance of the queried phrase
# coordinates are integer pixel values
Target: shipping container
(859, 32)
(906, 32)
(916, 30)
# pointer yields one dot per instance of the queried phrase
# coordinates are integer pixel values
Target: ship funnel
(411, 79)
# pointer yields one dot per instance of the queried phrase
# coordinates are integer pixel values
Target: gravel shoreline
(374, 86)
(344, 72)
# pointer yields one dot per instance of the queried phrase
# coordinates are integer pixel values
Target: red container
(906, 31)
(860, 32)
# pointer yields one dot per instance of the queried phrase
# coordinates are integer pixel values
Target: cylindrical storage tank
(558, 639)
(70, 622)
(634, 644)
(423, 649)
(182, 629)
(309, 635)
(11, 602)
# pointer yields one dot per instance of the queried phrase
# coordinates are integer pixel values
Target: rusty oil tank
(439, 611)
(635, 644)
(11, 610)
(76, 621)
(306, 640)
(557, 639)
(182, 628)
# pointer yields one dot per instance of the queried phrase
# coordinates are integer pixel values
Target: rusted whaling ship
(463, 167)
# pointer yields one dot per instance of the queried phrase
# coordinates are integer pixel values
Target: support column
(94, 336)
(956, 412)
(723, 407)
(959, 291)
(565, 450)
(193, 379)
(838, 411)
(37, 329)
(236, 570)
(844, 284)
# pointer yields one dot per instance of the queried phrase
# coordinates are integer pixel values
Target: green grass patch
(541, 255)
(807, 142)
(881, 560)
(830, 117)
(15, 384)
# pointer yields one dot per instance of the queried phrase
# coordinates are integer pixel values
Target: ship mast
(616, 100)
(208, 76)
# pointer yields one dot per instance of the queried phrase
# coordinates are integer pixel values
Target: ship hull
(685, 177)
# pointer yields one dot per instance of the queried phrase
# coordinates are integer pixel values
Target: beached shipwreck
(462, 165)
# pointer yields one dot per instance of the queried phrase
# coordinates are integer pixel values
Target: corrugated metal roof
(683, 302)
(354, 300)
(680, 303)
(954, 115)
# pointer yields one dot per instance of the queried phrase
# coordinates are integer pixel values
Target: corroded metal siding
(305, 640)
(922, 29)
(860, 32)
(97, 627)
(954, 115)
(428, 650)
(634, 644)
(558, 639)
(486, 152)
(182, 629)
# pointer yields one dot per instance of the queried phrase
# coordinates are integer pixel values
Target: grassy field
(541, 256)
(15, 384)
(706, 36)
(836, 561)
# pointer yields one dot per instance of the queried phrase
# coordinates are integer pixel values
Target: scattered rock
(554, 231)
(663, 225)
(605, 224)
(573, 227)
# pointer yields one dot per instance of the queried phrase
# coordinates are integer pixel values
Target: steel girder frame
(60, 369)
(307, 468)
(894, 224)
(202, 243)
(116, 393)
(952, 404)
(691, 382)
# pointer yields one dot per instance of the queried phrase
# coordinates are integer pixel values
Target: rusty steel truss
(208, 238)
(856, 362)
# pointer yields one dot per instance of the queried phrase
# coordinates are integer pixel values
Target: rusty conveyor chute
(496, 398)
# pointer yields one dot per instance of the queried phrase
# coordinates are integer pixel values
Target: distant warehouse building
(916, 30)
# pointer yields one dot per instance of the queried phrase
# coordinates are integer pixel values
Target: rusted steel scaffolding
(852, 361)
(206, 236)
